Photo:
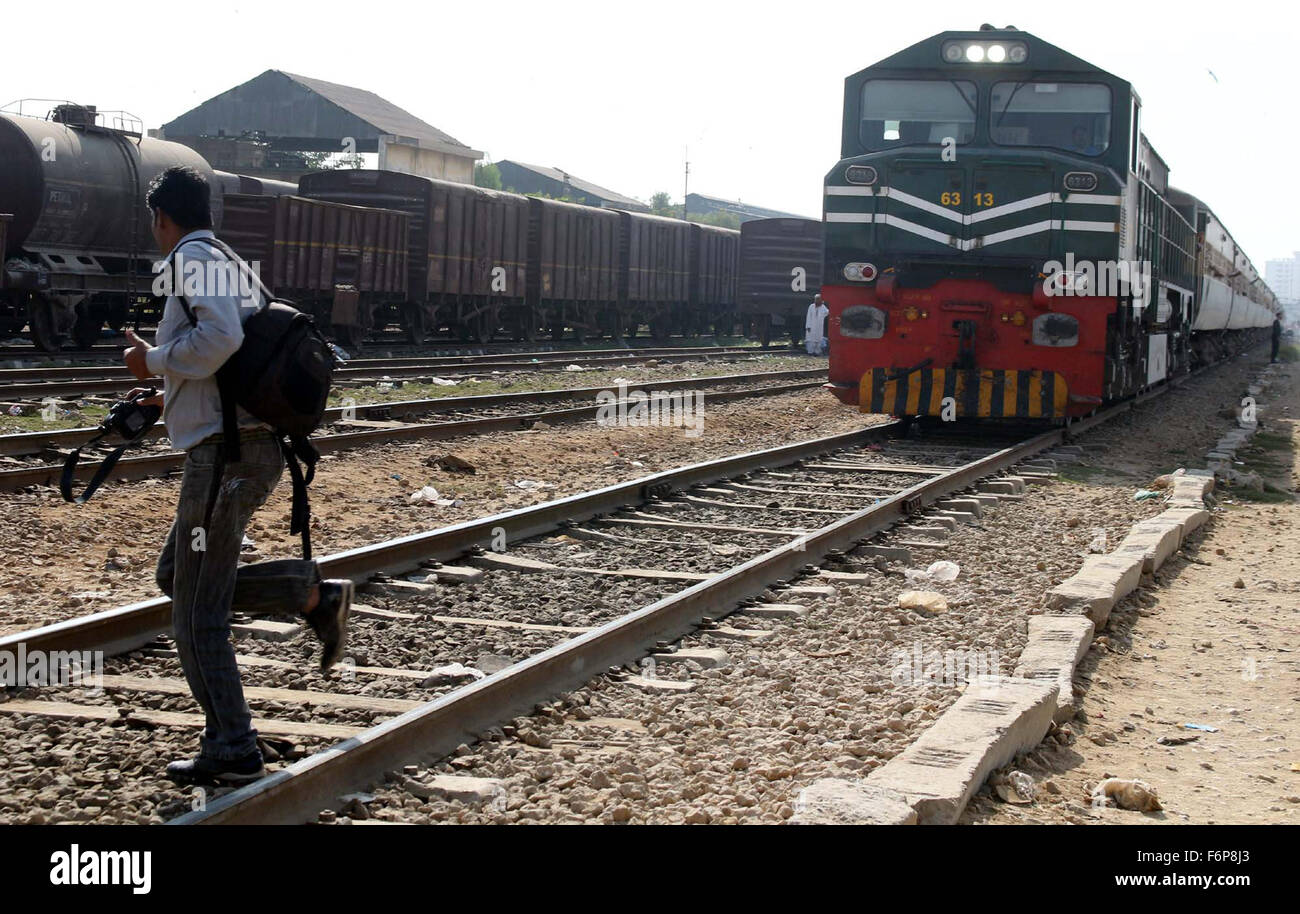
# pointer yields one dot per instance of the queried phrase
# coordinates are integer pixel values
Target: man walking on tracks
(1277, 337)
(199, 566)
(814, 335)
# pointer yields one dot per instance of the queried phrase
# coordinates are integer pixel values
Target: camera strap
(127, 419)
(105, 467)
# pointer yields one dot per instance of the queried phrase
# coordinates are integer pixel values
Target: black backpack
(281, 375)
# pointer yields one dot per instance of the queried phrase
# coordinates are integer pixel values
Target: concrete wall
(427, 163)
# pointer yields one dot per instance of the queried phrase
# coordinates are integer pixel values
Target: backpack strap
(226, 249)
(296, 448)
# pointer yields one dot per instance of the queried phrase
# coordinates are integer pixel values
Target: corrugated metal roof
(694, 201)
(556, 174)
(374, 110)
(287, 106)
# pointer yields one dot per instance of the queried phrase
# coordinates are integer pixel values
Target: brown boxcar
(467, 245)
(780, 272)
(715, 261)
(306, 249)
(573, 268)
(655, 261)
(478, 252)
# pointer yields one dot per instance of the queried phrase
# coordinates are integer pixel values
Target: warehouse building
(523, 178)
(701, 205)
(257, 127)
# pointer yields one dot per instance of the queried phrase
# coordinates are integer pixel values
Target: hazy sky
(616, 92)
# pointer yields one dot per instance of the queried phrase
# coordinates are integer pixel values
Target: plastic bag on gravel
(940, 572)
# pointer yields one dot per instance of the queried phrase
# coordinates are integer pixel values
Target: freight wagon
(345, 265)
(780, 272)
(573, 270)
(467, 248)
(714, 266)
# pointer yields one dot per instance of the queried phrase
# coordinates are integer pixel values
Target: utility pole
(686, 182)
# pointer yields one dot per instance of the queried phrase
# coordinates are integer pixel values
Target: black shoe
(217, 771)
(329, 620)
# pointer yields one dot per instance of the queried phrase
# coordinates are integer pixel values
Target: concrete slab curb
(1154, 540)
(989, 724)
(1095, 588)
(1055, 647)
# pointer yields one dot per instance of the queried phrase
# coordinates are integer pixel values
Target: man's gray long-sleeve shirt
(187, 355)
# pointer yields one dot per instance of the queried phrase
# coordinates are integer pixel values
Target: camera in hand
(131, 418)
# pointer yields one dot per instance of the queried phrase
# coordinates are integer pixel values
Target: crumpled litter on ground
(1126, 794)
(926, 600)
(942, 571)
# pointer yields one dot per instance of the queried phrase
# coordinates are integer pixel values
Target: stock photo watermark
(921, 666)
(651, 409)
(21, 668)
(197, 277)
(1103, 278)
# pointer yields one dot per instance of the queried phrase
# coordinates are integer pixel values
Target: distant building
(700, 205)
(258, 126)
(523, 178)
(1283, 277)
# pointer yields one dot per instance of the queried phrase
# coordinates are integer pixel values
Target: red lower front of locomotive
(963, 348)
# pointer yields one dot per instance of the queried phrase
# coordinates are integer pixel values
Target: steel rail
(24, 443)
(74, 372)
(124, 628)
(147, 465)
(115, 380)
(297, 793)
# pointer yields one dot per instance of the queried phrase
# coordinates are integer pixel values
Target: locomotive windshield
(1074, 117)
(901, 112)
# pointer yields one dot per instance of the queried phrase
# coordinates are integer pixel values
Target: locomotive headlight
(911, 313)
(860, 174)
(985, 52)
(1081, 180)
(859, 272)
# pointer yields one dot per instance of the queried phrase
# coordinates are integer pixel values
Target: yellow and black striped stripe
(976, 393)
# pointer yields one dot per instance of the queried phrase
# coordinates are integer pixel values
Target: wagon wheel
(86, 329)
(44, 324)
(661, 328)
(350, 337)
(525, 325)
(484, 325)
(412, 318)
(614, 322)
(765, 329)
(118, 311)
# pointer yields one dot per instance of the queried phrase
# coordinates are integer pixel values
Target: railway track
(667, 553)
(39, 383)
(451, 417)
(111, 352)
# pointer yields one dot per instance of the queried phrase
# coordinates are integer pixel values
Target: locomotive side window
(1074, 117)
(904, 112)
